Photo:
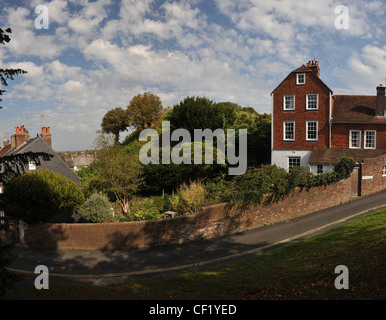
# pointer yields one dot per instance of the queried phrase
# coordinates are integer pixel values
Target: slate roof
(79, 161)
(333, 155)
(56, 163)
(355, 109)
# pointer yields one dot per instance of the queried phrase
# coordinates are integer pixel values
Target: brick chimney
(46, 135)
(314, 66)
(19, 137)
(380, 111)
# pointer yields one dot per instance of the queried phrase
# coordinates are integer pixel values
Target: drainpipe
(329, 120)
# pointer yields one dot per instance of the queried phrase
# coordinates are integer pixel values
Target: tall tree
(145, 109)
(115, 121)
(7, 74)
(119, 173)
(201, 113)
(7, 278)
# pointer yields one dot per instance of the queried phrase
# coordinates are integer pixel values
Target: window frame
(293, 158)
(31, 166)
(316, 130)
(284, 130)
(298, 83)
(375, 139)
(284, 102)
(317, 102)
(319, 169)
(384, 171)
(350, 139)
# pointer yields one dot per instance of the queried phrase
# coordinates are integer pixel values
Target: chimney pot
(314, 67)
(46, 135)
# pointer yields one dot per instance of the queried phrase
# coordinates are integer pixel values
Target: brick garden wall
(213, 221)
(372, 178)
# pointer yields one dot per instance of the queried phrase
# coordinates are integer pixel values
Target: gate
(356, 182)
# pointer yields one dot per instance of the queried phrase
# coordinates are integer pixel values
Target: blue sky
(97, 55)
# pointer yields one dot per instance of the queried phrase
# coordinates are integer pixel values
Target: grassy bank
(303, 270)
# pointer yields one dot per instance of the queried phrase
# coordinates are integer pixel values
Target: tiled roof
(303, 68)
(333, 155)
(355, 109)
(4, 150)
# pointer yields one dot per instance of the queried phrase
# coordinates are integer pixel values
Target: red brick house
(314, 128)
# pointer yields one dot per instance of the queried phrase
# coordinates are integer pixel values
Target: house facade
(21, 142)
(313, 127)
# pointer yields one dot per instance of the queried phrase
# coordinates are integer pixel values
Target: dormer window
(31, 166)
(300, 78)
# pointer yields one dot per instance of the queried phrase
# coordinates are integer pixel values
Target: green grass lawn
(303, 270)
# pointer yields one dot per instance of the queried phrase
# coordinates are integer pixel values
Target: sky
(97, 55)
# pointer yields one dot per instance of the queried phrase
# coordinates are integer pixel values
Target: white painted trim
(284, 122)
(317, 130)
(360, 139)
(375, 139)
(297, 79)
(284, 104)
(317, 102)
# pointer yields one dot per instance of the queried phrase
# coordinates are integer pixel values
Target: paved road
(114, 266)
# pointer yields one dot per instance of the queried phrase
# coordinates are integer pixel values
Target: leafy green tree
(167, 177)
(201, 113)
(145, 109)
(119, 174)
(259, 135)
(7, 74)
(11, 165)
(38, 195)
(115, 121)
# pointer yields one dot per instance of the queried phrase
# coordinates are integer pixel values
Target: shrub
(38, 195)
(190, 198)
(215, 189)
(96, 208)
(272, 183)
(146, 209)
(251, 187)
(144, 212)
(159, 203)
(300, 177)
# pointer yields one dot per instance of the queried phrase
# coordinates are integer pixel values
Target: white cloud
(98, 54)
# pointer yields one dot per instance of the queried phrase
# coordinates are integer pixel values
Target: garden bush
(271, 183)
(96, 208)
(190, 198)
(255, 183)
(36, 196)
